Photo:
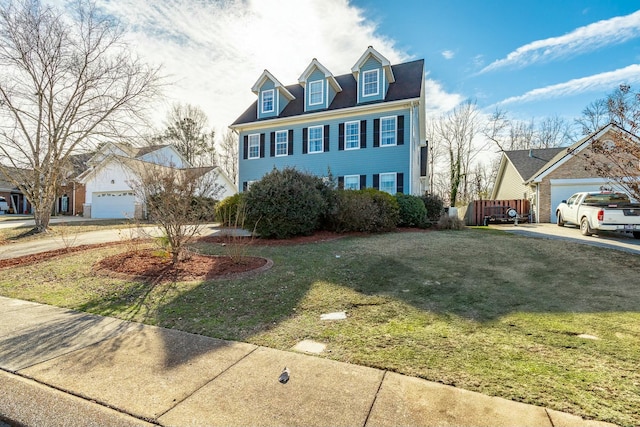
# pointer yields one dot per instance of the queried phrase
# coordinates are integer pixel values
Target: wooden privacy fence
(479, 209)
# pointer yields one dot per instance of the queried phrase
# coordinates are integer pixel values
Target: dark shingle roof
(528, 162)
(408, 85)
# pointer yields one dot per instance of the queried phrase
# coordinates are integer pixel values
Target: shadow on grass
(474, 275)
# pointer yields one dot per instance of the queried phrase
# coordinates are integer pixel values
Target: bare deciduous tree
(617, 159)
(65, 82)
(178, 200)
(455, 133)
(228, 155)
(187, 129)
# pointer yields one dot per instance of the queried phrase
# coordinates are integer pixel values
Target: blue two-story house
(367, 128)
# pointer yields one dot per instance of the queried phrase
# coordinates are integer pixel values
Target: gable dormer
(373, 75)
(272, 96)
(320, 86)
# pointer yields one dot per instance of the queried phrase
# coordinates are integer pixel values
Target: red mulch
(153, 265)
(319, 236)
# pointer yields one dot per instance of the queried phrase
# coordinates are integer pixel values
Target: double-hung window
(267, 101)
(315, 92)
(281, 143)
(254, 146)
(352, 182)
(351, 135)
(370, 82)
(388, 182)
(388, 130)
(315, 139)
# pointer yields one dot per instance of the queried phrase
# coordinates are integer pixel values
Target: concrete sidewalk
(63, 368)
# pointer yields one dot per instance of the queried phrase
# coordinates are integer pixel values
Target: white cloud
(437, 100)
(215, 51)
(584, 39)
(598, 82)
(448, 54)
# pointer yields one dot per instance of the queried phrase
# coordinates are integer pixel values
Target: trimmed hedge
(285, 203)
(413, 212)
(434, 205)
(366, 210)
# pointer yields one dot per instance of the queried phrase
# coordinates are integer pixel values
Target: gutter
(323, 115)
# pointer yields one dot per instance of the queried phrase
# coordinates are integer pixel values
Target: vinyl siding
(364, 161)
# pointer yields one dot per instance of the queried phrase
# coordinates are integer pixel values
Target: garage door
(562, 189)
(113, 204)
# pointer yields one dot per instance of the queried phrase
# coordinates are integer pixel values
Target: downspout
(73, 210)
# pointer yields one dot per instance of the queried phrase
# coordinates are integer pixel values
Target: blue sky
(533, 58)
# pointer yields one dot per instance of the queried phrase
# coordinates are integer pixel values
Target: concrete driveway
(618, 241)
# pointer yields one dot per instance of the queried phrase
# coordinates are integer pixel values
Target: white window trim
(395, 130)
(286, 143)
(321, 82)
(273, 100)
(321, 139)
(395, 181)
(357, 179)
(364, 74)
(257, 138)
(345, 135)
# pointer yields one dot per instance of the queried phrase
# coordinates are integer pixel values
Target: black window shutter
(341, 182)
(400, 182)
(363, 134)
(245, 185)
(400, 129)
(376, 181)
(326, 138)
(262, 137)
(376, 132)
(245, 154)
(423, 161)
(305, 139)
(363, 181)
(272, 145)
(290, 152)
(341, 136)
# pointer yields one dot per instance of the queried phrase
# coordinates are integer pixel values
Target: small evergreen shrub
(366, 210)
(285, 203)
(413, 212)
(226, 211)
(434, 205)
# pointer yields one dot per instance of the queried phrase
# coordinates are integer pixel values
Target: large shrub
(285, 203)
(367, 210)
(413, 213)
(434, 205)
(226, 211)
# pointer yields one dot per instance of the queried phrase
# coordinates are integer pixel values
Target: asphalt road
(618, 241)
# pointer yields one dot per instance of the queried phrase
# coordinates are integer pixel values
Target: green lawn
(479, 309)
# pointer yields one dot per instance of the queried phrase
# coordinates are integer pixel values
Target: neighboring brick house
(71, 194)
(548, 176)
(366, 127)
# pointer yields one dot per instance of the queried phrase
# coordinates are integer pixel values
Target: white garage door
(562, 189)
(113, 204)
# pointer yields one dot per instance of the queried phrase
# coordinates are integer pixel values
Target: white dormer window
(267, 101)
(370, 82)
(316, 90)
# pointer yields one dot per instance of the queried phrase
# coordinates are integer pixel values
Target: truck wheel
(585, 229)
(559, 220)
(636, 234)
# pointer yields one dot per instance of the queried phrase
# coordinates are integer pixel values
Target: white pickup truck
(600, 211)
